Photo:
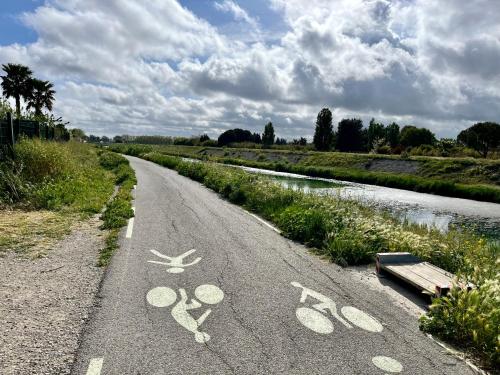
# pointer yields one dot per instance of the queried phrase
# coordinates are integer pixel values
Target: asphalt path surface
(246, 301)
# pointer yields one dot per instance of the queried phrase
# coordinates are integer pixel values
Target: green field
(470, 178)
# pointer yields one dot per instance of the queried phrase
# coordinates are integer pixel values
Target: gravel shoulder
(45, 302)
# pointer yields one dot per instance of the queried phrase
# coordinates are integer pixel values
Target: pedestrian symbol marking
(175, 264)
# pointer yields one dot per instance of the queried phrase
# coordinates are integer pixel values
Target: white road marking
(387, 364)
(314, 320)
(209, 294)
(130, 226)
(175, 264)
(161, 296)
(361, 319)
(95, 366)
(264, 222)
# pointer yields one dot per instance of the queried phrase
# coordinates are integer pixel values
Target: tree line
(352, 136)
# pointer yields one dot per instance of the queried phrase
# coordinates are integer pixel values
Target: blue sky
(186, 67)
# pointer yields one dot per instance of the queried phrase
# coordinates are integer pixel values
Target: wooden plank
(405, 272)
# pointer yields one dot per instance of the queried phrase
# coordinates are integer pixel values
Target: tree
(281, 141)
(482, 137)
(323, 134)
(411, 136)
(204, 138)
(105, 139)
(118, 139)
(268, 135)
(256, 138)
(78, 134)
(94, 138)
(41, 95)
(392, 134)
(235, 136)
(376, 134)
(350, 135)
(16, 84)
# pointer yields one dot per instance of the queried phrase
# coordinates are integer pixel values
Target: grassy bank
(462, 178)
(119, 209)
(47, 187)
(351, 233)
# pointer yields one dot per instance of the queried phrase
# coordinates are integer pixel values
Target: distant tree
(281, 141)
(376, 134)
(411, 136)
(16, 83)
(204, 138)
(94, 138)
(41, 96)
(153, 140)
(268, 135)
(392, 134)
(256, 138)
(482, 137)
(118, 139)
(323, 133)
(105, 139)
(77, 134)
(235, 136)
(302, 141)
(350, 135)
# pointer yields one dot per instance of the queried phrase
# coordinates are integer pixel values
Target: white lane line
(95, 366)
(130, 226)
(264, 222)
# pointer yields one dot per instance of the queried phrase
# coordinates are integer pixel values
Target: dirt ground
(44, 302)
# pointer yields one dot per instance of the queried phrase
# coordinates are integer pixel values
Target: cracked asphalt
(254, 329)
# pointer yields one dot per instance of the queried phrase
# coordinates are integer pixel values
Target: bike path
(253, 303)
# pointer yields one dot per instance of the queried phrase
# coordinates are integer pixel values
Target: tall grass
(54, 176)
(352, 233)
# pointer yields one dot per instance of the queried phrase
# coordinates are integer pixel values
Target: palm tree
(16, 83)
(41, 95)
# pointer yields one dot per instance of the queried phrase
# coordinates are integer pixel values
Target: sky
(189, 67)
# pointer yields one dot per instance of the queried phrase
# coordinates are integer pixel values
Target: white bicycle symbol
(316, 317)
(208, 294)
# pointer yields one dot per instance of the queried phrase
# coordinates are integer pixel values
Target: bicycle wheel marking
(361, 319)
(387, 364)
(314, 320)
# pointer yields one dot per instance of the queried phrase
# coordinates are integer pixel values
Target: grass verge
(119, 209)
(48, 186)
(351, 233)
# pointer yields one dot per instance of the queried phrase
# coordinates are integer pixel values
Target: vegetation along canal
(430, 210)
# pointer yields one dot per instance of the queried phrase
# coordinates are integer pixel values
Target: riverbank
(351, 233)
(469, 178)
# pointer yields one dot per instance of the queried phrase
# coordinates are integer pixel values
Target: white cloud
(238, 12)
(154, 67)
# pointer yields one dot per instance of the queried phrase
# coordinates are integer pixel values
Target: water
(430, 210)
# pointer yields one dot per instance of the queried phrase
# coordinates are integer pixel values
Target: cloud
(239, 13)
(125, 66)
